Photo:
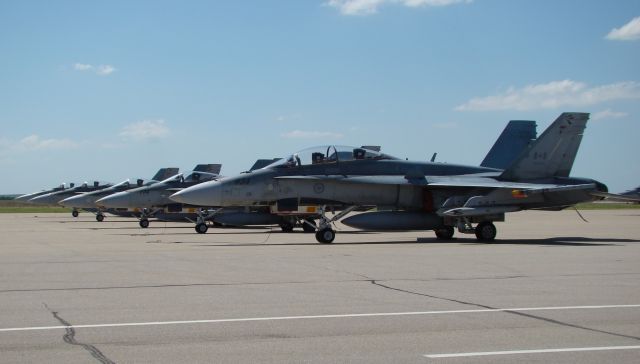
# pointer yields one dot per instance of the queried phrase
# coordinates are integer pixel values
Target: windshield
(327, 155)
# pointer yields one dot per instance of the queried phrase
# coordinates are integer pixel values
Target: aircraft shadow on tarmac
(556, 241)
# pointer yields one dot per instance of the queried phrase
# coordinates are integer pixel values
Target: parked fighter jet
(628, 196)
(57, 196)
(513, 139)
(416, 195)
(153, 200)
(29, 196)
(87, 201)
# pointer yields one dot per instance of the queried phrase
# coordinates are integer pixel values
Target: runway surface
(552, 289)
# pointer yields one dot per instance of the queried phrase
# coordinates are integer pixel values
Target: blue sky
(111, 90)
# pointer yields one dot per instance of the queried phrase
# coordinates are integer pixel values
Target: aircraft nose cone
(117, 200)
(204, 194)
(75, 201)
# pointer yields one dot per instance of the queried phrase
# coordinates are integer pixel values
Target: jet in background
(153, 201)
(54, 197)
(628, 196)
(413, 195)
(29, 196)
(87, 201)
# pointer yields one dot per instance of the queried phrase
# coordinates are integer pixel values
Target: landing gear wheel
(75, 213)
(201, 228)
(325, 236)
(309, 225)
(99, 217)
(286, 227)
(486, 231)
(144, 223)
(445, 233)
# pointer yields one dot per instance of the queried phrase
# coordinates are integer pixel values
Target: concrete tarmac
(552, 289)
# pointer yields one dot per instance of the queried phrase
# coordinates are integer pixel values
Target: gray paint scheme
(457, 195)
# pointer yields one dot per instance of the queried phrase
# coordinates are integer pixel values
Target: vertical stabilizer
(260, 163)
(208, 168)
(515, 137)
(553, 153)
(164, 173)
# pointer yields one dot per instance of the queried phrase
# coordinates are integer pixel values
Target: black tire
(325, 236)
(445, 233)
(286, 227)
(309, 228)
(99, 217)
(75, 213)
(144, 223)
(486, 231)
(202, 228)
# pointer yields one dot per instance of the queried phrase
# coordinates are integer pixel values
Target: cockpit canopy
(327, 155)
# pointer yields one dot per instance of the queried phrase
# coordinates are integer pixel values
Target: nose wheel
(325, 236)
(99, 217)
(201, 228)
(144, 223)
(75, 213)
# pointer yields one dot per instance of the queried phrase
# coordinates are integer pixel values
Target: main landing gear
(99, 217)
(144, 222)
(325, 234)
(485, 231)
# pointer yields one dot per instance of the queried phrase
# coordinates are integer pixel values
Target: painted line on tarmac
(536, 351)
(282, 318)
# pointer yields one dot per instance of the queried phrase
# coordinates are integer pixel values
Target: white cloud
(629, 31)
(311, 134)
(35, 143)
(105, 70)
(366, 7)
(101, 70)
(82, 67)
(553, 95)
(145, 130)
(607, 115)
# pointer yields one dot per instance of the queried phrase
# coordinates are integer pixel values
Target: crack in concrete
(70, 338)
(545, 319)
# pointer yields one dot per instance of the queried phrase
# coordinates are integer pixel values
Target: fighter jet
(627, 196)
(513, 139)
(153, 201)
(87, 201)
(29, 196)
(412, 195)
(53, 198)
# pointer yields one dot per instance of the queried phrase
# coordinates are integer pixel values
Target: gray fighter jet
(29, 196)
(87, 201)
(153, 201)
(627, 196)
(413, 195)
(57, 196)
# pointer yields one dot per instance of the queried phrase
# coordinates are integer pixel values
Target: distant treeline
(8, 197)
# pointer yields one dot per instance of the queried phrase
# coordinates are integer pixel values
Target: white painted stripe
(538, 351)
(350, 315)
